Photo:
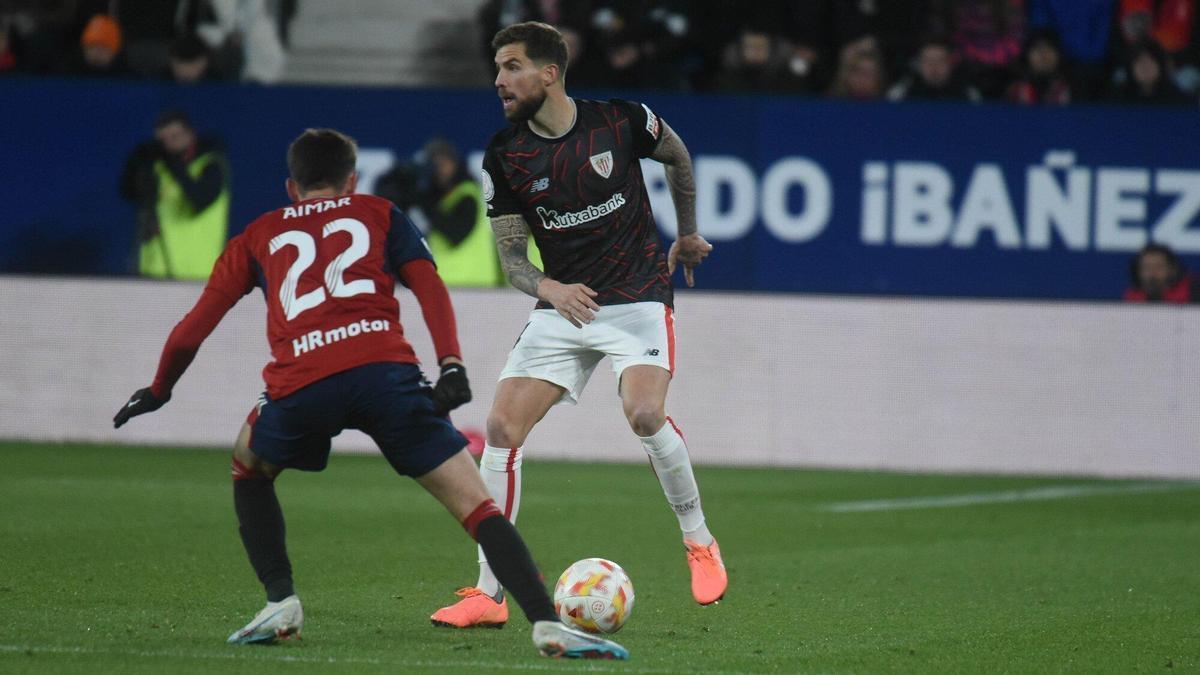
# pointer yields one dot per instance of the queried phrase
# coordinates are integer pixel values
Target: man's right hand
(573, 301)
(142, 402)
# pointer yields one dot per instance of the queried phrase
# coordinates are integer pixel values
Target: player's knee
(504, 431)
(645, 418)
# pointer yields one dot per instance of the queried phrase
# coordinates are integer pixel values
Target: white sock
(501, 471)
(673, 466)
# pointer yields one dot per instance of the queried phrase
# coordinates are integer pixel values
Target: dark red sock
(509, 559)
(260, 523)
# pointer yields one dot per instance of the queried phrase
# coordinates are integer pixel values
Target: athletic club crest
(603, 163)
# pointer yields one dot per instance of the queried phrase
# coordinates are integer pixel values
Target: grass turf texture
(127, 559)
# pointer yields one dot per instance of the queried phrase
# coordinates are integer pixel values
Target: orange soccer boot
(708, 571)
(475, 610)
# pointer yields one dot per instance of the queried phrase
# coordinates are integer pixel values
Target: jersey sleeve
(644, 123)
(496, 192)
(404, 242)
(436, 307)
(235, 273)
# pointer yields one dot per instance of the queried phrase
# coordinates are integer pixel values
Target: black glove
(143, 402)
(452, 388)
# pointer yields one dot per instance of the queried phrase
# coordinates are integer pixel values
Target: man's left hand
(452, 388)
(689, 251)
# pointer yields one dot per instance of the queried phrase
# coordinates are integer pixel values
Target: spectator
(572, 15)
(805, 29)
(935, 77)
(150, 27)
(245, 39)
(826, 25)
(8, 60)
(1085, 27)
(190, 60)
(988, 35)
(1157, 275)
(100, 49)
(758, 61)
(43, 34)
(1167, 22)
(180, 184)
(1042, 80)
(459, 232)
(636, 44)
(860, 73)
(666, 31)
(1145, 79)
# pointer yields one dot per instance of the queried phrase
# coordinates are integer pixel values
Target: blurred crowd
(1050, 52)
(183, 40)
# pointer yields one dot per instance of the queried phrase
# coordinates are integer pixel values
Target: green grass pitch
(127, 559)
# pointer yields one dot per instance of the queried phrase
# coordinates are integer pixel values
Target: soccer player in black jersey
(567, 170)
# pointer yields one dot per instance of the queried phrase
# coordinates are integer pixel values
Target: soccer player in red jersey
(327, 265)
(568, 171)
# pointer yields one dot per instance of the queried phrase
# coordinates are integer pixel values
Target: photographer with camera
(180, 185)
(459, 233)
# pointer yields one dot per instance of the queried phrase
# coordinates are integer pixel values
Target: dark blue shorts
(390, 402)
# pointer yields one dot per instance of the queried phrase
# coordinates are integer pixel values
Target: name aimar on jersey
(299, 210)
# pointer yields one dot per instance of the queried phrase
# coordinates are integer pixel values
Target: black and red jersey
(584, 198)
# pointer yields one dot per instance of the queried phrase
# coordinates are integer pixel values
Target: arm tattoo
(512, 242)
(678, 163)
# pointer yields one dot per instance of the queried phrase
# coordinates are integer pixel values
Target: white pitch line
(1030, 495)
(243, 653)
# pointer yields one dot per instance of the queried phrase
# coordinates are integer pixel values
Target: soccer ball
(595, 595)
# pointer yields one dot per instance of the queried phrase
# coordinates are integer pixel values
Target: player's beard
(524, 111)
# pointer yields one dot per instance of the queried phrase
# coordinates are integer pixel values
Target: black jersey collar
(570, 130)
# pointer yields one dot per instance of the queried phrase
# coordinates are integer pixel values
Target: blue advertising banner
(796, 194)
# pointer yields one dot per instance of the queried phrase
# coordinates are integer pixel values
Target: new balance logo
(540, 184)
(651, 352)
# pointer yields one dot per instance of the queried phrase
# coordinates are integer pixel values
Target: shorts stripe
(253, 417)
(670, 338)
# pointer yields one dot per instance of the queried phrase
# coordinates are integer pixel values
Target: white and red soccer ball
(595, 595)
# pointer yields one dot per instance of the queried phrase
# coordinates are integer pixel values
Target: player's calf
(510, 561)
(262, 530)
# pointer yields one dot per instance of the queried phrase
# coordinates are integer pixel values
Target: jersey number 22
(306, 246)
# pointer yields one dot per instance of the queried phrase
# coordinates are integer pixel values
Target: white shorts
(551, 349)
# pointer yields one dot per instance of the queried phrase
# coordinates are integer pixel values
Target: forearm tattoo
(678, 164)
(512, 242)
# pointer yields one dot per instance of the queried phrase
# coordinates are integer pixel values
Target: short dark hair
(1177, 267)
(543, 43)
(172, 116)
(321, 158)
